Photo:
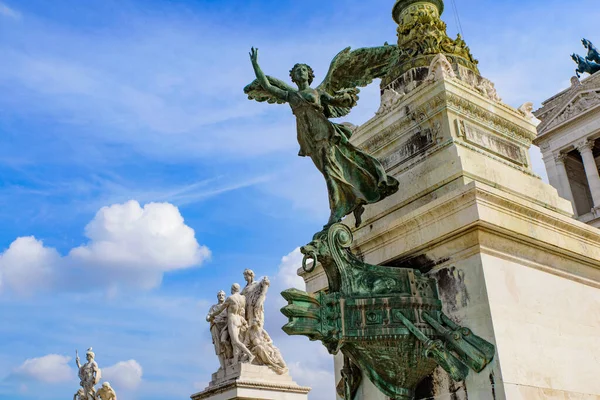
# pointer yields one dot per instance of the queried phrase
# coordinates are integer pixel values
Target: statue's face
(301, 73)
(248, 277)
(221, 297)
(89, 357)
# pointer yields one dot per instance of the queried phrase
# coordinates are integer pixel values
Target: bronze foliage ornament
(387, 321)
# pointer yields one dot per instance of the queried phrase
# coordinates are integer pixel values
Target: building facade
(569, 138)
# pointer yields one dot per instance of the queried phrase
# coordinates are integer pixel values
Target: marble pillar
(591, 169)
(565, 185)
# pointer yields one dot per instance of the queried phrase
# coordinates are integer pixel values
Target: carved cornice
(490, 119)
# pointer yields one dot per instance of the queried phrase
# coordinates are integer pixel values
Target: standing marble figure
(89, 375)
(218, 331)
(258, 340)
(353, 177)
(235, 306)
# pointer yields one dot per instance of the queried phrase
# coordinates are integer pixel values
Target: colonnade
(584, 148)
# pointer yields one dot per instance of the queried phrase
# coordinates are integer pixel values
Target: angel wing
(353, 69)
(256, 92)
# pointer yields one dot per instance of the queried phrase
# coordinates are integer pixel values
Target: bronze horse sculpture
(584, 65)
(593, 54)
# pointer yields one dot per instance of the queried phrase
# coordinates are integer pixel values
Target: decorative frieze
(579, 105)
(492, 120)
(498, 146)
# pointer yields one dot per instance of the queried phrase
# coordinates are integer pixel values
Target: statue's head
(106, 385)
(585, 42)
(89, 355)
(221, 296)
(248, 275)
(235, 288)
(302, 73)
(575, 57)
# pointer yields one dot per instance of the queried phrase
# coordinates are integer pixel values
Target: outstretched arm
(262, 79)
(218, 309)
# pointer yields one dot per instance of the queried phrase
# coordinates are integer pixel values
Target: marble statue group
(237, 326)
(89, 376)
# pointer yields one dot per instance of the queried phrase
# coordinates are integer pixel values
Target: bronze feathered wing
(256, 92)
(351, 69)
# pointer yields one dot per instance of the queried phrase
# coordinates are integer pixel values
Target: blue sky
(107, 106)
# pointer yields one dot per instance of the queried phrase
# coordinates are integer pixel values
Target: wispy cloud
(6, 11)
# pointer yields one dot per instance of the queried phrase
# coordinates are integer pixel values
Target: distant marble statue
(106, 392)
(89, 375)
(258, 340)
(80, 395)
(255, 293)
(237, 327)
(218, 331)
(593, 54)
(235, 306)
(526, 110)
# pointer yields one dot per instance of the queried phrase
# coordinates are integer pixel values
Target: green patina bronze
(353, 177)
(589, 63)
(387, 321)
(421, 36)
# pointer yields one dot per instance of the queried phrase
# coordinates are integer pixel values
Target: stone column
(563, 177)
(591, 169)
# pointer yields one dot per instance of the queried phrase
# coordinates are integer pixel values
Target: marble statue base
(256, 382)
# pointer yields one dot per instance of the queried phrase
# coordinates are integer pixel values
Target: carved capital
(561, 158)
(585, 145)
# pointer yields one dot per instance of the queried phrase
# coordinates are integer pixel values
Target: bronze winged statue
(353, 177)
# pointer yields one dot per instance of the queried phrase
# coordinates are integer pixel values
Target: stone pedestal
(251, 382)
(511, 262)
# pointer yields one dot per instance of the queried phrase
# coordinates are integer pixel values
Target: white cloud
(9, 12)
(287, 275)
(52, 368)
(128, 245)
(129, 236)
(321, 381)
(27, 265)
(124, 374)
